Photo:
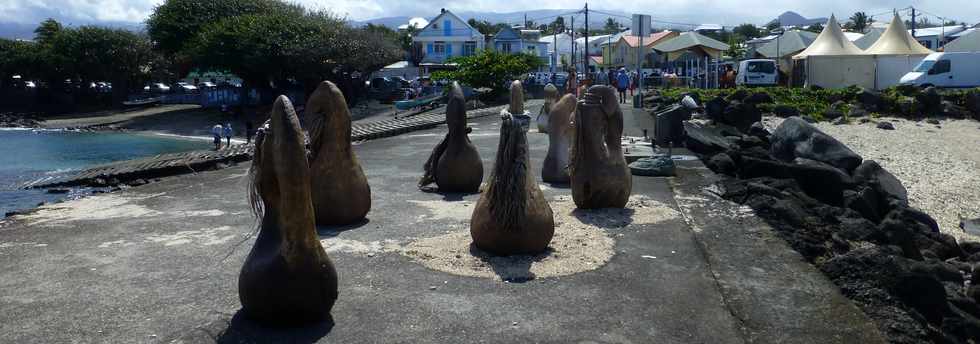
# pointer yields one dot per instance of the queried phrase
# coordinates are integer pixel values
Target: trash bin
(670, 125)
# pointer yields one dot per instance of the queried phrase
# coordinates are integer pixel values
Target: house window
(505, 47)
(469, 48)
(440, 47)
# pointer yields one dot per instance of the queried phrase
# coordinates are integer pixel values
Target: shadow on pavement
(242, 330)
(332, 231)
(607, 218)
(512, 269)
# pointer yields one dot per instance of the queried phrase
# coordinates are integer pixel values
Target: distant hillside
(26, 31)
(791, 18)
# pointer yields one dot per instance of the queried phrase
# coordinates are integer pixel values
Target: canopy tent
(969, 42)
(896, 53)
(694, 42)
(869, 38)
(832, 61)
(785, 46)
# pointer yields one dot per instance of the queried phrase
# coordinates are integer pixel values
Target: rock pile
(850, 218)
(19, 120)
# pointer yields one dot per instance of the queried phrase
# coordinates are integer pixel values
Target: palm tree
(860, 21)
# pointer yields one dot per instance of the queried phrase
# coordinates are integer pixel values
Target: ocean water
(26, 155)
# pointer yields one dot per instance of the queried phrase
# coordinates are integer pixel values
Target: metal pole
(554, 50)
(639, 67)
(913, 23)
(586, 54)
(573, 50)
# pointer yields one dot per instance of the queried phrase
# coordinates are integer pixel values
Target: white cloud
(728, 12)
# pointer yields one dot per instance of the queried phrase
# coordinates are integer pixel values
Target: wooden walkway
(163, 165)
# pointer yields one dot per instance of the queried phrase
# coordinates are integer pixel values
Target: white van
(757, 72)
(946, 70)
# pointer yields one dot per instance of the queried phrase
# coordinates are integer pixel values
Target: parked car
(757, 72)
(157, 87)
(184, 87)
(207, 84)
(953, 70)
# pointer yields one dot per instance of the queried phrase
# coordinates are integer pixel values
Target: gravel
(939, 167)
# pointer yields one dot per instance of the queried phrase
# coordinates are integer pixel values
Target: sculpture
(599, 174)
(454, 164)
(287, 277)
(512, 216)
(555, 169)
(341, 194)
(550, 97)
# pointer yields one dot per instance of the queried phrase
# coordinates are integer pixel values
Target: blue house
(514, 40)
(446, 36)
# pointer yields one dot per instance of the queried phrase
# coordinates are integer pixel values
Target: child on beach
(216, 132)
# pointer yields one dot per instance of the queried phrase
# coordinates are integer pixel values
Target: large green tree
(47, 31)
(97, 53)
(16, 58)
(175, 23)
(489, 69)
(747, 31)
(267, 49)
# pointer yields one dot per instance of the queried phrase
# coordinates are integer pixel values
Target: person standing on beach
(228, 133)
(216, 131)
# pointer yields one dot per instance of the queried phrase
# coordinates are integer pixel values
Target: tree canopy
(859, 22)
(175, 23)
(489, 69)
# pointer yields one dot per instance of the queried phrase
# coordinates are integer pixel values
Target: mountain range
(790, 18)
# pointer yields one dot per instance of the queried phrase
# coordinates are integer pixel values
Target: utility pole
(525, 21)
(586, 54)
(913, 22)
(573, 48)
(554, 50)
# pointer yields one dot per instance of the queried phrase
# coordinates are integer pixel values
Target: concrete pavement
(159, 263)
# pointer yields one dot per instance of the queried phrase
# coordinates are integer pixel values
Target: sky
(726, 12)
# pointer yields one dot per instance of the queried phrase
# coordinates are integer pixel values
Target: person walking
(622, 82)
(228, 133)
(216, 131)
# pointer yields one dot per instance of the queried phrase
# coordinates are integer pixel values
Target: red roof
(633, 41)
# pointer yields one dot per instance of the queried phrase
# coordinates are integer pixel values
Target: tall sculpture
(598, 170)
(550, 97)
(555, 169)
(455, 164)
(287, 277)
(341, 194)
(512, 215)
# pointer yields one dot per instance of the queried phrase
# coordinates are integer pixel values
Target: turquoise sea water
(26, 155)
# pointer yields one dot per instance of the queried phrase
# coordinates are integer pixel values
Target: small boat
(426, 102)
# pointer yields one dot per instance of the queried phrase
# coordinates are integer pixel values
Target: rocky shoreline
(849, 217)
(20, 120)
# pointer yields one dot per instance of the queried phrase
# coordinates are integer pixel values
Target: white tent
(969, 42)
(895, 53)
(832, 61)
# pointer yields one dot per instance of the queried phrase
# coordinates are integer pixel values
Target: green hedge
(814, 102)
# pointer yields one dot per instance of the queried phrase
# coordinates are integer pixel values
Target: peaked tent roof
(869, 38)
(789, 43)
(689, 40)
(965, 43)
(831, 42)
(897, 41)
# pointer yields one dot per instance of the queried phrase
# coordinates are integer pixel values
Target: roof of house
(897, 41)
(830, 42)
(653, 39)
(689, 40)
(939, 30)
(965, 43)
(446, 12)
(788, 43)
(765, 39)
